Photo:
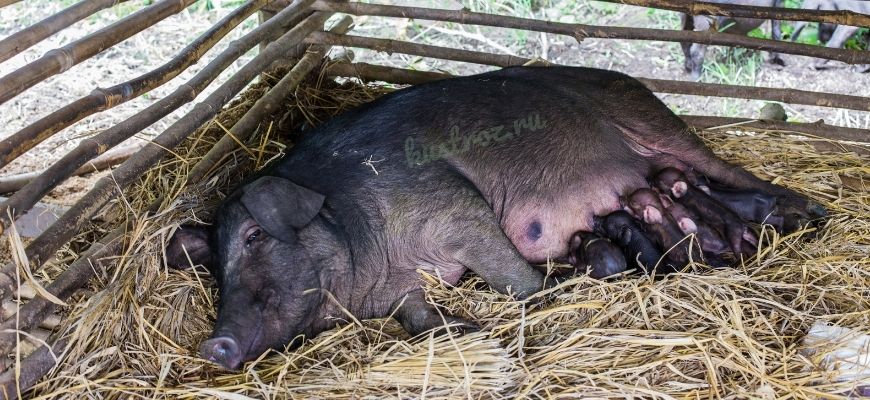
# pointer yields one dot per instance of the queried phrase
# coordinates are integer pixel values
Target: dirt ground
(147, 50)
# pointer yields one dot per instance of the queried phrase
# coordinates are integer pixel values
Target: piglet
(645, 205)
(748, 204)
(673, 182)
(716, 250)
(604, 257)
(637, 245)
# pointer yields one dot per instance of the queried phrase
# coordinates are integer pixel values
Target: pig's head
(263, 268)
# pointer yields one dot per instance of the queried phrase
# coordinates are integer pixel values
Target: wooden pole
(33, 368)
(109, 159)
(103, 99)
(583, 31)
(246, 126)
(4, 3)
(44, 246)
(818, 129)
(405, 76)
(839, 17)
(24, 39)
(792, 96)
(82, 270)
(64, 58)
(93, 146)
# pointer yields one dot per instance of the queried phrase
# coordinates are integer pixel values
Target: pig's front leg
(484, 248)
(465, 229)
(417, 316)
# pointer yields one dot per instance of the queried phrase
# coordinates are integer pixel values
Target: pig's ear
(281, 206)
(193, 239)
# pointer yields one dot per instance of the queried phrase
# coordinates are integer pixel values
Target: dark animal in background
(491, 172)
(694, 52)
(834, 36)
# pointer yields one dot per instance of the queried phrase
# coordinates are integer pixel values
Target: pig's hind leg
(664, 139)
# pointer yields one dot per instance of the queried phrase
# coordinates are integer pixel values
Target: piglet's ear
(189, 241)
(281, 206)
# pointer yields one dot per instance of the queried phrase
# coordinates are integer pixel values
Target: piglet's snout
(223, 350)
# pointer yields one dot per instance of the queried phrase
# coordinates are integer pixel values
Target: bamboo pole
(24, 39)
(103, 99)
(32, 369)
(246, 126)
(81, 271)
(4, 3)
(405, 76)
(41, 248)
(583, 31)
(64, 58)
(93, 146)
(839, 17)
(792, 96)
(819, 129)
(109, 159)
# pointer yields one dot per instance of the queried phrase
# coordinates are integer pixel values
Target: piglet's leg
(417, 316)
(589, 249)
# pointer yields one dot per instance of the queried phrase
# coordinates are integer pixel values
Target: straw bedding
(706, 333)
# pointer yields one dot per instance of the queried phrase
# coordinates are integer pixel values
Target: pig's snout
(223, 350)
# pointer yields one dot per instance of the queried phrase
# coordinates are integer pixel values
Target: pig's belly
(542, 228)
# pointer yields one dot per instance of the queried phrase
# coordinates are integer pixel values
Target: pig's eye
(252, 236)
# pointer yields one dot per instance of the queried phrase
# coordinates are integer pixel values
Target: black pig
(489, 172)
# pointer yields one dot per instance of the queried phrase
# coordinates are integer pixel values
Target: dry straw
(732, 333)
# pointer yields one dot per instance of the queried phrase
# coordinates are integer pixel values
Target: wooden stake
(64, 58)
(792, 96)
(839, 17)
(24, 39)
(104, 99)
(583, 31)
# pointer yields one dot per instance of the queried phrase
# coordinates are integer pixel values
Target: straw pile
(727, 333)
